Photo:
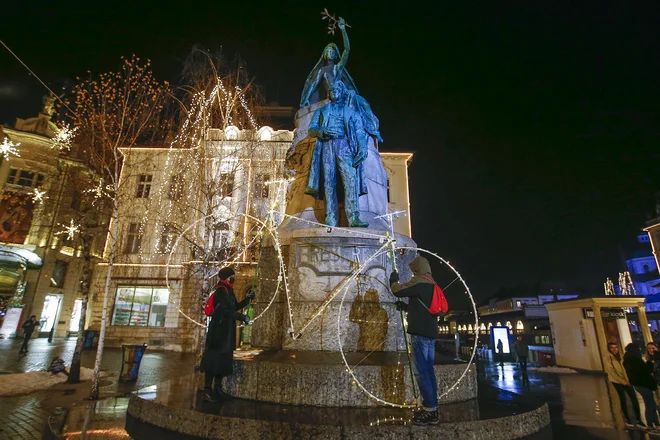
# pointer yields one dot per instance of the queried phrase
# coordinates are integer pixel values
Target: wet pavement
(580, 405)
(23, 417)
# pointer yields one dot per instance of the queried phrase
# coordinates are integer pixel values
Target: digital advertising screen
(501, 334)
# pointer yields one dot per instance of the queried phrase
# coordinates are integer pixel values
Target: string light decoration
(99, 191)
(349, 369)
(38, 196)
(63, 139)
(70, 230)
(8, 148)
(270, 229)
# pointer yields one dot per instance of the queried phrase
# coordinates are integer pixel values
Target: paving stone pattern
(23, 417)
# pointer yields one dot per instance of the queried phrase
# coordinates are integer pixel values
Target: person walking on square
(617, 375)
(639, 374)
(423, 329)
(218, 358)
(522, 352)
(28, 329)
(500, 352)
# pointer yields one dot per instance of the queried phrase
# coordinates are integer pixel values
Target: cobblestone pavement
(23, 417)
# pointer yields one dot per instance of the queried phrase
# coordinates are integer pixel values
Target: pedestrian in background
(28, 329)
(500, 352)
(522, 352)
(640, 376)
(653, 355)
(617, 375)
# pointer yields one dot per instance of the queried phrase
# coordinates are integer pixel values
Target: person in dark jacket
(423, 329)
(653, 355)
(640, 376)
(218, 358)
(28, 329)
(522, 352)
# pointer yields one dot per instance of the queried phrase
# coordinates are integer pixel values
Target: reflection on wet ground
(580, 404)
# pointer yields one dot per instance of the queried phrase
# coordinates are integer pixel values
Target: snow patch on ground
(560, 370)
(25, 383)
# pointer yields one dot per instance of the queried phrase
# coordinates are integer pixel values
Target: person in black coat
(640, 376)
(28, 329)
(218, 358)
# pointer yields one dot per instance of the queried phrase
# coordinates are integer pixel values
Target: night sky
(535, 127)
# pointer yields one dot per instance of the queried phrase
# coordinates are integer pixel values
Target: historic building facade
(185, 212)
(40, 267)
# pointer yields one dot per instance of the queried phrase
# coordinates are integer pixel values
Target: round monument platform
(319, 378)
(175, 410)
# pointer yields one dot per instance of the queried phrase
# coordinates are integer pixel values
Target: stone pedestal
(318, 263)
(304, 206)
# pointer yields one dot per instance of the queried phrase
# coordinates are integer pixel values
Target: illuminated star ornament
(99, 191)
(63, 139)
(70, 230)
(7, 147)
(38, 196)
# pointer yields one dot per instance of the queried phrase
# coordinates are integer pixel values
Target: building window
(133, 239)
(261, 187)
(226, 184)
(176, 187)
(144, 186)
(140, 306)
(75, 200)
(167, 238)
(26, 178)
(59, 274)
(520, 326)
(542, 339)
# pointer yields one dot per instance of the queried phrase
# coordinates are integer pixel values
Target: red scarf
(226, 283)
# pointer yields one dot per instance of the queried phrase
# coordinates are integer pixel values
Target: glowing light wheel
(353, 278)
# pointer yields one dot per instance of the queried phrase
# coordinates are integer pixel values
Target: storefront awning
(14, 256)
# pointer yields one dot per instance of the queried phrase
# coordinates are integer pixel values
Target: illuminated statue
(330, 67)
(341, 143)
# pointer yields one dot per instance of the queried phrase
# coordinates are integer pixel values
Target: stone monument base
(321, 379)
(175, 410)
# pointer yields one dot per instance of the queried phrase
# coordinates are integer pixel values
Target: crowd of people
(633, 375)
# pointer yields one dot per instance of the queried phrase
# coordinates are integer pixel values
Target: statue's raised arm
(331, 65)
(347, 46)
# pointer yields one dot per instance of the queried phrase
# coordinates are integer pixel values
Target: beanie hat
(226, 272)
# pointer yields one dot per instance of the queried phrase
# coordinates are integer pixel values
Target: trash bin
(545, 359)
(91, 339)
(131, 356)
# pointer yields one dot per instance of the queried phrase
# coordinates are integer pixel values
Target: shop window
(144, 186)
(140, 306)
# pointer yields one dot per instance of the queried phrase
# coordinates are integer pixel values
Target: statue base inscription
(319, 268)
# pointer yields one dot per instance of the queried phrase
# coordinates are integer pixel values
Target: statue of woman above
(332, 66)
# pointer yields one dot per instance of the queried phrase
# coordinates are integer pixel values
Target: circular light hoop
(271, 231)
(341, 306)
